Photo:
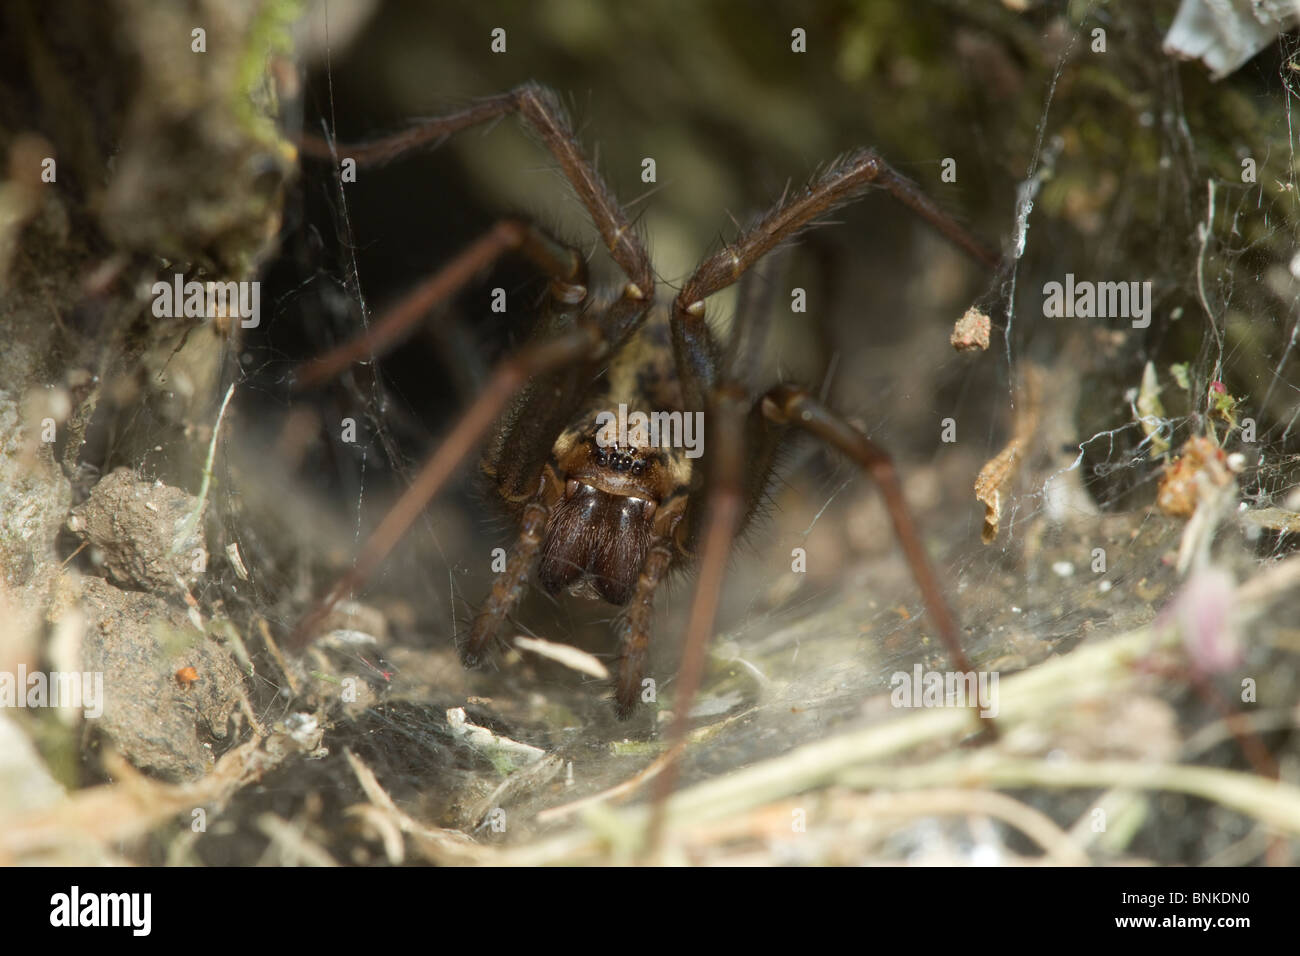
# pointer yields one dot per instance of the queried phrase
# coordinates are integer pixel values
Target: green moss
(270, 34)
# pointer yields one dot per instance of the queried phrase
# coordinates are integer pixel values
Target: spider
(611, 516)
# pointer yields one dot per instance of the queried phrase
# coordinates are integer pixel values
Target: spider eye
(601, 457)
(638, 467)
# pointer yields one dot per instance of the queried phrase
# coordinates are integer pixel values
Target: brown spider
(611, 519)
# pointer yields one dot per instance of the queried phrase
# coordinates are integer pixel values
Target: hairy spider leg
(543, 113)
(508, 377)
(634, 629)
(546, 363)
(563, 264)
(720, 385)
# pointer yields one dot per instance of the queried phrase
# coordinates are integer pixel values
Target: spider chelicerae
(611, 516)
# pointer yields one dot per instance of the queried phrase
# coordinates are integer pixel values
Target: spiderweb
(1114, 166)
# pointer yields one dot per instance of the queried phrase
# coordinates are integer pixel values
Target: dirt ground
(171, 507)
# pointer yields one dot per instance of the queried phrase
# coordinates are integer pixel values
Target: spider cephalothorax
(607, 513)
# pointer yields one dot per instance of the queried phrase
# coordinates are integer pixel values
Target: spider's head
(616, 501)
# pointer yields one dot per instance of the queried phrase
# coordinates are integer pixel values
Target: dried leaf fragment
(485, 740)
(1179, 491)
(988, 486)
(570, 657)
(971, 331)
